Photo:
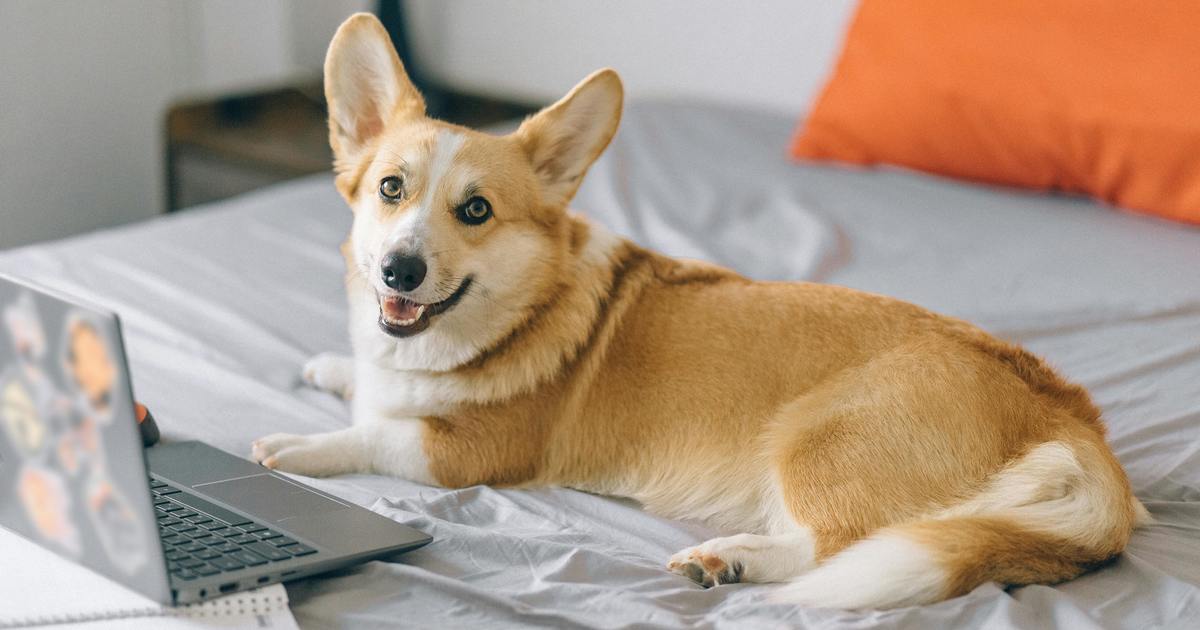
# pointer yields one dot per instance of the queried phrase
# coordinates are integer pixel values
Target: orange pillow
(1094, 96)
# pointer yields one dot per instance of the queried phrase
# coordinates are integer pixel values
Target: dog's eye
(475, 211)
(391, 188)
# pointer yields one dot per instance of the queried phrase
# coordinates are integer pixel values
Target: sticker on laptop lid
(89, 367)
(47, 504)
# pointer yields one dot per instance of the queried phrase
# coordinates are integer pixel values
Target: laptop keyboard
(201, 538)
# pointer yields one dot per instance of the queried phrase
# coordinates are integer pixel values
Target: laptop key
(226, 563)
(171, 507)
(199, 519)
(186, 574)
(168, 521)
(282, 541)
(208, 554)
(165, 491)
(173, 539)
(269, 552)
(154, 483)
(215, 527)
(191, 563)
(299, 550)
(244, 539)
(212, 509)
(206, 569)
(226, 547)
(207, 539)
(190, 547)
(253, 527)
(268, 535)
(182, 528)
(175, 554)
(249, 558)
(185, 514)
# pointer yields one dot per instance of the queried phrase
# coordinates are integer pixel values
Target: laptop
(178, 522)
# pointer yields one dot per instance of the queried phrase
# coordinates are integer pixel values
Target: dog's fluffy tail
(1051, 515)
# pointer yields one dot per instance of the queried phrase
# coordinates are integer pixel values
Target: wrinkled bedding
(222, 304)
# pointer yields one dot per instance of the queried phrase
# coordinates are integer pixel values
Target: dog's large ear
(564, 139)
(365, 87)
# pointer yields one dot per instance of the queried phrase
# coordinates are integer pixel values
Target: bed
(222, 304)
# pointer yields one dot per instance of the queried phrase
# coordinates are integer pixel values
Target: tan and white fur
(869, 452)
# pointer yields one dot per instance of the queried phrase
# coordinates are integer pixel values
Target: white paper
(37, 584)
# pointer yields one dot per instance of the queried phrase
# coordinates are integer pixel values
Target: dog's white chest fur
(382, 392)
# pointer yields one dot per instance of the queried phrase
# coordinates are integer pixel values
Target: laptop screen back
(72, 470)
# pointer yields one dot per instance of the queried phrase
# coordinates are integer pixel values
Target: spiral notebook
(40, 589)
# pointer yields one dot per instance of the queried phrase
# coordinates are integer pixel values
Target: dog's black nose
(403, 273)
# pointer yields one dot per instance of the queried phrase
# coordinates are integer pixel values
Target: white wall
(85, 85)
(767, 53)
(80, 100)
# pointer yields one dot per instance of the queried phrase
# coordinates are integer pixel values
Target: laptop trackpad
(269, 498)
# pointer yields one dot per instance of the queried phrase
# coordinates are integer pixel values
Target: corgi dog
(868, 453)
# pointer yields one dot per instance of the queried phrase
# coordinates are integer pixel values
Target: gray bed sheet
(222, 304)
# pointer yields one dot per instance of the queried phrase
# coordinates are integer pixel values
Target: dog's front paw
(310, 455)
(331, 372)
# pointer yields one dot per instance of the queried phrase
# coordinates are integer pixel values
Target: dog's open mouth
(402, 317)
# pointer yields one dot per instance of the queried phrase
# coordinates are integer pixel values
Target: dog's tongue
(400, 309)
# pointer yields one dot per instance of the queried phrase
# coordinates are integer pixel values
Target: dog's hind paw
(746, 558)
(704, 568)
(330, 372)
